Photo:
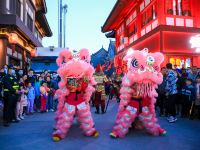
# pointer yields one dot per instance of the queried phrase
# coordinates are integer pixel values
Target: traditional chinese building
(23, 24)
(105, 58)
(168, 26)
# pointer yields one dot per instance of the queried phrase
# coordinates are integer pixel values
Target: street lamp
(65, 12)
(60, 23)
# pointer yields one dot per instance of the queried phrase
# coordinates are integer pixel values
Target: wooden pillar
(3, 51)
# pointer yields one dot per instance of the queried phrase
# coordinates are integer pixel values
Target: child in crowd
(31, 98)
(21, 82)
(37, 93)
(43, 96)
(188, 97)
(21, 103)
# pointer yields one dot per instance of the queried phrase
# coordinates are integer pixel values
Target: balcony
(179, 21)
(149, 27)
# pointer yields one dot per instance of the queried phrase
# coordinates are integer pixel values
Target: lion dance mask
(75, 90)
(138, 93)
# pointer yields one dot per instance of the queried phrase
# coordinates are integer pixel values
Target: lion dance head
(76, 65)
(144, 69)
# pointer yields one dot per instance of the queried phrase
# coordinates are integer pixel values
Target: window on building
(18, 8)
(132, 29)
(150, 14)
(29, 17)
(40, 37)
(22, 9)
(131, 18)
(144, 4)
(178, 7)
(29, 22)
(8, 4)
(36, 32)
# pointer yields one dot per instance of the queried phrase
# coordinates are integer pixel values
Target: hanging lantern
(33, 53)
(13, 38)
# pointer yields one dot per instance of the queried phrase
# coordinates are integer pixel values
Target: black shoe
(191, 118)
(96, 112)
(6, 124)
(15, 121)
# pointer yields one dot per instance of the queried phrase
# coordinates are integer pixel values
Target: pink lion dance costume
(75, 90)
(138, 93)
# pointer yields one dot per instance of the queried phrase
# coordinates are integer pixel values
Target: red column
(195, 5)
(138, 23)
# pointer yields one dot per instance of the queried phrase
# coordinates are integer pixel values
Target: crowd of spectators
(28, 93)
(179, 93)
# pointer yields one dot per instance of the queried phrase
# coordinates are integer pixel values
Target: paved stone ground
(34, 133)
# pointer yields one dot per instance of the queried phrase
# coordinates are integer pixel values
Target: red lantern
(33, 53)
(13, 38)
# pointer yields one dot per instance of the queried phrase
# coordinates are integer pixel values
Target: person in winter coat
(31, 98)
(171, 92)
(188, 97)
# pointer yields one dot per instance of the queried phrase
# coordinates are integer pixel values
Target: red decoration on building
(13, 38)
(33, 53)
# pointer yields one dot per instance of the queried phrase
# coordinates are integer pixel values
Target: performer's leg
(103, 106)
(123, 123)
(86, 121)
(97, 101)
(64, 122)
(97, 109)
(149, 121)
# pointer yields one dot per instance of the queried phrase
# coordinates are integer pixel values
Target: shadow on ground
(34, 133)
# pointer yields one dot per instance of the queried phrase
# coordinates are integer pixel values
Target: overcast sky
(84, 21)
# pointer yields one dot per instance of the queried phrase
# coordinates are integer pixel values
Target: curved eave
(41, 18)
(118, 13)
(110, 34)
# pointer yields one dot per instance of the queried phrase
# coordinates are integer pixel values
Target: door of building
(14, 61)
(180, 61)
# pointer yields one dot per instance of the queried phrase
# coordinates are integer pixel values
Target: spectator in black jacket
(188, 97)
(11, 87)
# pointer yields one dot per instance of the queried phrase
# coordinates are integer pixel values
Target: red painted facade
(159, 25)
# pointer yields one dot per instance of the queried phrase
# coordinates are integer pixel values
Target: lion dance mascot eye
(138, 93)
(75, 90)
